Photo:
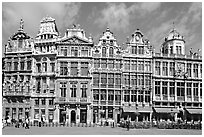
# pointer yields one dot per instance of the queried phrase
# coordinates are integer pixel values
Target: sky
(155, 19)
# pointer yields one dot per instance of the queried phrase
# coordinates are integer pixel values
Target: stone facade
(70, 79)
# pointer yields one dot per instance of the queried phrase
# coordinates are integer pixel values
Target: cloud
(118, 16)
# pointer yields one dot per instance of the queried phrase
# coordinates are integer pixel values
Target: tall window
(103, 64)
(195, 70)
(134, 65)
(103, 52)
(171, 49)
(140, 80)
(178, 49)
(157, 68)
(44, 66)
(141, 50)
(157, 88)
(15, 65)
(73, 91)
(96, 79)
(117, 79)
(38, 67)
(147, 81)
(37, 102)
(164, 88)
(110, 95)
(74, 69)
(127, 65)
(172, 88)
(201, 70)
(140, 96)
(52, 83)
(118, 64)
(52, 67)
(96, 94)
(133, 96)
(8, 66)
(84, 69)
(84, 51)
(134, 50)
(38, 85)
(117, 95)
(140, 65)
(127, 79)
(189, 85)
(195, 89)
(110, 52)
(51, 102)
(147, 66)
(63, 68)
(147, 96)
(96, 63)
(133, 80)
(22, 65)
(29, 65)
(172, 68)
(63, 89)
(189, 69)
(103, 94)
(64, 51)
(201, 90)
(43, 101)
(111, 64)
(126, 95)
(165, 68)
(103, 78)
(180, 89)
(83, 91)
(74, 51)
(110, 80)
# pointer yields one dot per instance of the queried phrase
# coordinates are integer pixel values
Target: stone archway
(73, 116)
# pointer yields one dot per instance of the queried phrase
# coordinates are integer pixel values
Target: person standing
(27, 123)
(128, 123)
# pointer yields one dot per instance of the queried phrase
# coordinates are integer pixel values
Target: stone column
(106, 112)
(56, 114)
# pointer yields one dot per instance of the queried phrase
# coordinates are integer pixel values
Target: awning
(166, 110)
(144, 109)
(194, 111)
(129, 109)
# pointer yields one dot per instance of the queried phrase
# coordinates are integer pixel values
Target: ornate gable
(75, 40)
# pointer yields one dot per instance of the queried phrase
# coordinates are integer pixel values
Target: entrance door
(83, 115)
(73, 116)
(62, 116)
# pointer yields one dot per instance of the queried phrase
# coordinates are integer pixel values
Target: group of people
(7, 122)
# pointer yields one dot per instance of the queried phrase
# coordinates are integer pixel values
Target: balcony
(13, 93)
(180, 98)
(61, 99)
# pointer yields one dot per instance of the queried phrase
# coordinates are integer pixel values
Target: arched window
(103, 52)
(73, 91)
(110, 52)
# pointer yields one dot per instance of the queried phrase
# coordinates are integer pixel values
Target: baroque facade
(70, 79)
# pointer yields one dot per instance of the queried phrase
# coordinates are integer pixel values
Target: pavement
(96, 131)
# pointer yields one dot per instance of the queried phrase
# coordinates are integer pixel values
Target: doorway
(83, 115)
(62, 116)
(73, 116)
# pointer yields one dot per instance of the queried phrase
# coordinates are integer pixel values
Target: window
(20, 113)
(52, 84)
(84, 51)
(172, 88)
(110, 64)
(44, 66)
(28, 65)
(74, 68)
(140, 66)
(110, 95)
(134, 50)
(171, 49)
(133, 96)
(201, 70)
(134, 65)
(103, 94)
(52, 67)
(189, 85)
(140, 80)
(118, 64)
(74, 51)
(9, 66)
(38, 67)
(96, 94)
(147, 96)
(127, 65)
(172, 68)
(103, 52)
(36, 113)
(178, 49)
(15, 65)
(133, 80)
(127, 79)
(195, 70)
(157, 87)
(195, 89)
(44, 84)
(73, 91)
(84, 69)
(37, 102)
(165, 68)
(63, 89)
(117, 79)
(110, 52)
(157, 68)
(103, 78)
(140, 96)
(180, 88)
(51, 102)
(38, 85)
(22, 65)
(95, 79)
(117, 95)
(140, 50)
(110, 80)
(126, 95)
(189, 69)
(147, 66)
(63, 68)
(164, 88)
(43, 101)
(201, 90)
(83, 91)
(64, 51)
(96, 63)
(103, 64)
(147, 81)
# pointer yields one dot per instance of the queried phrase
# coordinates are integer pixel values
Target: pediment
(75, 40)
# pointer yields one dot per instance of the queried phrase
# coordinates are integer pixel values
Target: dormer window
(111, 42)
(111, 52)
(104, 52)
(104, 41)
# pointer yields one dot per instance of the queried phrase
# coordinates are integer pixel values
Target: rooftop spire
(21, 25)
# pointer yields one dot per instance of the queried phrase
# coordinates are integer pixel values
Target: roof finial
(21, 24)
(173, 25)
